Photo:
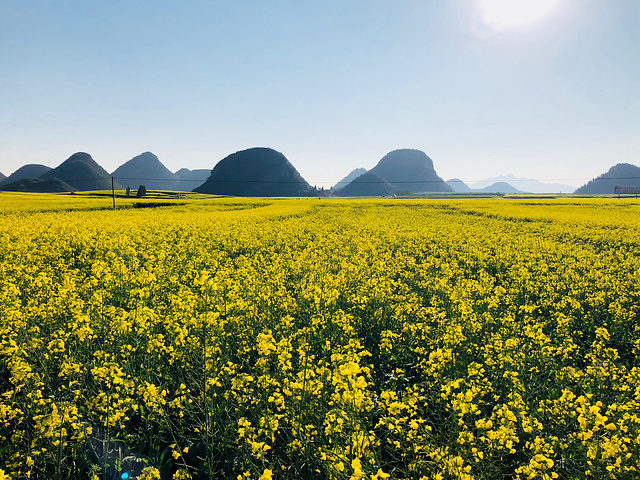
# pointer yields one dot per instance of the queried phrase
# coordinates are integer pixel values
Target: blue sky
(333, 85)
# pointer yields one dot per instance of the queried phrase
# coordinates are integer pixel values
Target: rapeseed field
(328, 339)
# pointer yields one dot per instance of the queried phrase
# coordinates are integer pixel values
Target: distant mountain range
(370, 185)
(349, 178)
(400, 172)
(528, 185)
(509, 184)
(147, 169)
(78, 172)
(81, 172)
(497, 187)
(28, 171)
(500, 187)
(458, 185)
(189, 179)
(263, 171)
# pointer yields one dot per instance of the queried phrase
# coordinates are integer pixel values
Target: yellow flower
(150, 473)
(379, 475)
(357, 469)
(266, 475)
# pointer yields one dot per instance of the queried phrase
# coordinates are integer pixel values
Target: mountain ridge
(499, 187)
(32, 170)
(146, 169)
(38, 185)
(188, 179)
(411, 170)
(524, 184)
(355, 173)
(619, 175)
(458, 185)
(370, 185)
(256, 172)
(81, 172)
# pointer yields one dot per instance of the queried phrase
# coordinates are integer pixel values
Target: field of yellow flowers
(329, 339)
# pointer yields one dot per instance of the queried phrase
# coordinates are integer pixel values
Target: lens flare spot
(502, 14)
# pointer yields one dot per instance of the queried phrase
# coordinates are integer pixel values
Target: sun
(503, 14)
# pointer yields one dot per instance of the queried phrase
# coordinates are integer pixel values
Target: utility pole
(113, 194)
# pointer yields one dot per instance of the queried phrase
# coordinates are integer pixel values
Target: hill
(2, 177)
(370, 185)
(81, 172)
(28, 171)
(410, 170)
(349, 178)
(256, 172)
(500, 187)
(188, 179)
(620, 175)
(146, 169)
(38, 185)
(458, 185)
(525, 184)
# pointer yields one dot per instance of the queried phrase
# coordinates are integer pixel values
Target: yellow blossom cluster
(320, 338)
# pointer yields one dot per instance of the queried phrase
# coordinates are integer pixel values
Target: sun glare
(502, 14)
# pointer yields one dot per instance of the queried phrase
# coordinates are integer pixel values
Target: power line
(302, 181)
(519, 180)
(159, 179)
(367, 181)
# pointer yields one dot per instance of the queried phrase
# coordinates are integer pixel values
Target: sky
(333, 85)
